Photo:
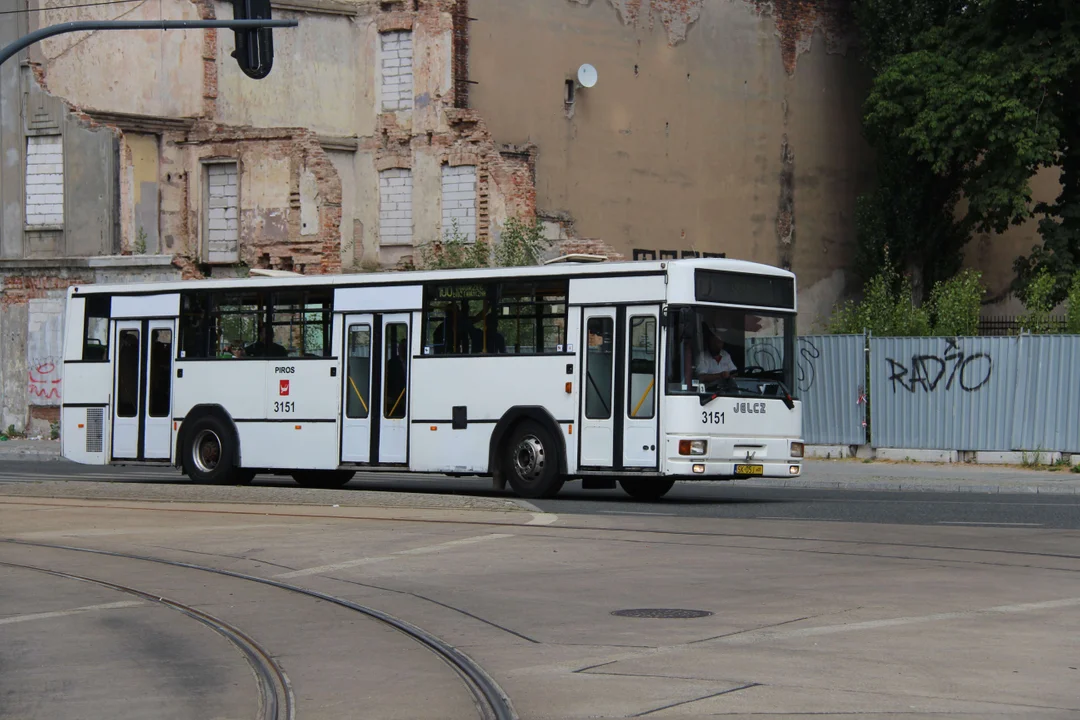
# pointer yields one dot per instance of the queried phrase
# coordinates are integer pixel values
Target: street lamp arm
(82, 25)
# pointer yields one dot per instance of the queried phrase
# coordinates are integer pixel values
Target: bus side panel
(85, 419)
(289, 445)
(487, 387)
(285, 409)
(239, 386)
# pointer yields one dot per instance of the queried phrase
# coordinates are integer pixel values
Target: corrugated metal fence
(831, 382)
(977, 393)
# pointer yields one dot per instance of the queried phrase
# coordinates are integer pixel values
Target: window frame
(494, 296)
(88, 312)
(211, 301)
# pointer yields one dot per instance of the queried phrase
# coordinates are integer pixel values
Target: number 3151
(287, 406)
(712, 418)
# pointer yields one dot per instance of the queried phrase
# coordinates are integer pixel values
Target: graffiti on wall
(44, 351)
(956, 368)
(44, 383)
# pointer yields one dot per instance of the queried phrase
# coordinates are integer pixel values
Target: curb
(956, 487)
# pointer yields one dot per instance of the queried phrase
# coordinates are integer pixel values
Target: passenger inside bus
(259, 348)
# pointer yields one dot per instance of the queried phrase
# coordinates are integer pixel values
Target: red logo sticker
(283, 387)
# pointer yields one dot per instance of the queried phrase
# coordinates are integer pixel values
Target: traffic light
(254, 48)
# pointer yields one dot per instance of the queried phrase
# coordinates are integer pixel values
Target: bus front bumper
(706, 469)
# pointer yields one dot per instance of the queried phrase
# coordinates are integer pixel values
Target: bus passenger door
(356, 424)
(393, 428)
(599, 411)
(640, 440)
(127, 388)
(157, 420)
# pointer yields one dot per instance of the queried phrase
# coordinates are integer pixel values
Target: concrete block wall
(395, 206)
(44, 180)
(459, 199)
(223, 222)
(396, 70)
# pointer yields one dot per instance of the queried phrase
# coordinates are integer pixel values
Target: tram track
(276, 698)
(555, 531)
(491, 702)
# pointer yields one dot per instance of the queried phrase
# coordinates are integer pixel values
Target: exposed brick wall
(797, 20)
(44, 180)
(20, 289)
(461, 53)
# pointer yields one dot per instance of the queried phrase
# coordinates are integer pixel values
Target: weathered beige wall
(994, 254)
(687, 152)
(323, 77)
(150, 72)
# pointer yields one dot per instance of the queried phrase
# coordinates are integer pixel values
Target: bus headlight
(796, 449)
(693, 447)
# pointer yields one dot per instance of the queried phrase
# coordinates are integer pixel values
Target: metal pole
(27, 40)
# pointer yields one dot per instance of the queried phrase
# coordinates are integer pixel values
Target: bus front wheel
(531, 462)
(210, 454)
(647, 489)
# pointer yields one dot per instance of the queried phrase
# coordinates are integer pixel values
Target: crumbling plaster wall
(727, 126)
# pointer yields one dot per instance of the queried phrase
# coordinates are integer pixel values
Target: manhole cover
(662, 613)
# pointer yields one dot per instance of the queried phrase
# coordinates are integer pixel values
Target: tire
(531, 461)
(323, 479)
(210, 453)
(647, 489)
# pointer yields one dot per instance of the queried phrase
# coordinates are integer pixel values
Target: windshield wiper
(787, 394)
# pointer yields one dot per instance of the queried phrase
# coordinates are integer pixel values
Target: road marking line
(543, 519)
(64, 613)
(957, 522)
(108, 532)
(755, 636)
(383, 558)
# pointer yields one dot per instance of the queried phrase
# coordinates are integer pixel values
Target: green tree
(887, 309)
(954, 305)
(1038, 303)
(908, 219)
(1072, 307)
(988, 95)
(521, 243)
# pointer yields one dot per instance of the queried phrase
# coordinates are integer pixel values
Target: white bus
(603, 372)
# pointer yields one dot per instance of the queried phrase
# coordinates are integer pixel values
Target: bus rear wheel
(531, 461)
(210, 454)
(323, 479)
(647, 489)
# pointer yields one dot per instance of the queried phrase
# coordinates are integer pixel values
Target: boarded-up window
(222, 216)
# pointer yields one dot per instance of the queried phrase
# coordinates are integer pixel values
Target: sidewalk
(853, 474)
(30, 450)
(856, 474)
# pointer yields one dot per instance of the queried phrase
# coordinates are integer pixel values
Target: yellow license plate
(749, 469)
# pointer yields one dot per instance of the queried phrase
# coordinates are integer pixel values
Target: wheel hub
(529, 458)
(207, 453)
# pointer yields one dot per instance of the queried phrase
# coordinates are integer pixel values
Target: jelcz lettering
(750, 408)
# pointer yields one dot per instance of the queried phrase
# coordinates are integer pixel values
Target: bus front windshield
(736, 353)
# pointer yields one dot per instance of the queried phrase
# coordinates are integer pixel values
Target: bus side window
(96, 339)
(598, 368)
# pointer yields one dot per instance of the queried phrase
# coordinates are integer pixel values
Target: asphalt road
(699, 500)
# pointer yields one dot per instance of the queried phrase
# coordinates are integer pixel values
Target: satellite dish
(586, 75)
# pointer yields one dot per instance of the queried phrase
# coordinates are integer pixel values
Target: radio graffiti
(970, 372)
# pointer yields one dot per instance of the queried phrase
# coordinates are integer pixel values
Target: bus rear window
(96, 335)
